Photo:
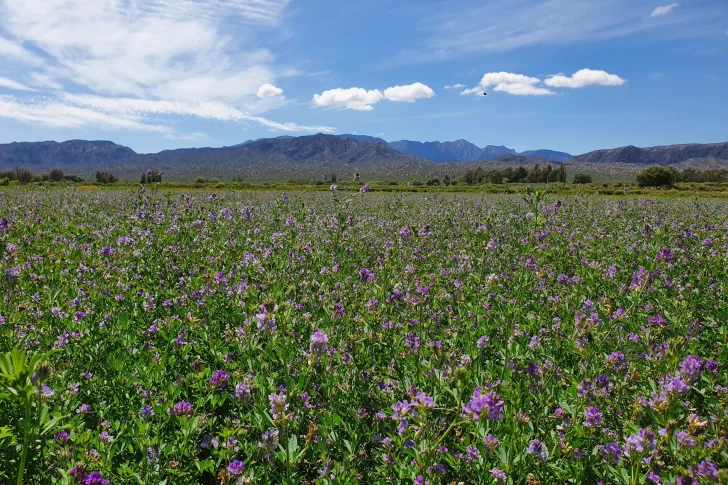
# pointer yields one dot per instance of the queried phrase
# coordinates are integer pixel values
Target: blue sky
(571, 75)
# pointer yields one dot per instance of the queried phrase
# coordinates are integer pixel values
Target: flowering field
(361, 338)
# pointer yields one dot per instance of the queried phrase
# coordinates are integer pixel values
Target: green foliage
(336, 337)
(106, 178)
(56, 175)
(581, 178)
(515, 175)
(656, 176)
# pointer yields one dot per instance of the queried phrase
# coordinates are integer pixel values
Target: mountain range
(450, 151)
(315, 156)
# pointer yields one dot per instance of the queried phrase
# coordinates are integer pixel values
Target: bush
(56, 175)
(582, 178)
(106, 178)
(4, 182)
(656, 176)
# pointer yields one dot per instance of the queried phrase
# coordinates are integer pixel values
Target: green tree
(656, 176)
(56, 175)
(582, 178)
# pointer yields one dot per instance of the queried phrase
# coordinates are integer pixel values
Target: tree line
(536, 174)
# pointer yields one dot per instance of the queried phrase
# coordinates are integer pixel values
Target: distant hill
(67, 153)
(660, 155)
(550, 155)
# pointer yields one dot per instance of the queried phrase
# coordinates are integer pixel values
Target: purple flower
(182, 408)
(146, 411)
(423, 401)
(482, 342)
(61, 437)
(691, 368)
(490, 442)
(538, 449)
(106, 437)
(242, 391)
(592, 417)
(404, 233)
(707, 470)
(94, 478)
(643, 440)
(365, 188)
(412, 340)
(611, 453)
(318, 345)
(269, 441)
(684, 439)
(498, 475)
(366, 275)
(236, 468)
(472, 454)
(106, 252)
(219, 379)
(80, 316)
(488, 404)
(278, 406)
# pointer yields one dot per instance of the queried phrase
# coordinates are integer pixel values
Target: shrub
(56, 175)
(582, 178)
(656, 176)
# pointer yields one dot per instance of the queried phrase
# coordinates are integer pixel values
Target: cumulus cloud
(269, 91)
(360, 99)
(14, 85)
(353, 98)
(409, 93)
(584, 77)
(511, 83)
(455, 86)
(664, 10)
(522, 89)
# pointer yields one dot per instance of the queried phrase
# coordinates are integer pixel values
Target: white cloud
(455, 86)
(353, 98)
(269, 91)
(142, 60)
(170, 49)
(13, 50)
(494, 78)
(522, 89)
(409, 93)
(56, 114)
(360, 99)
(14, 85)
(511, 83)
(584, 77)
(77, 111)
(477, 26)
(664, 10)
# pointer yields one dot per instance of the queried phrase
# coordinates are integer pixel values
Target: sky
(569, 75)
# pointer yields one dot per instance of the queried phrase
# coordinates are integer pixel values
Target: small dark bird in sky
(485, 94)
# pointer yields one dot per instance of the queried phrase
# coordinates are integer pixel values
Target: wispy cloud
(664, 10)
(14, 85)
(468, 27)
(142, 54)
(455, 86)
(78, 111)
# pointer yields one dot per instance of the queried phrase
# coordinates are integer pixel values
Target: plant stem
(26, 444)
